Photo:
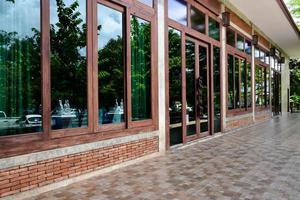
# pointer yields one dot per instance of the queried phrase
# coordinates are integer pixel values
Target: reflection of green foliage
(140, 68)
(68, 66)
(19, 72)
(111, 76)
(174, 66)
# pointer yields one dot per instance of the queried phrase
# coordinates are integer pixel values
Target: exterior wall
(239, 121)
(50, 167)
(19, 174)
(261, 116)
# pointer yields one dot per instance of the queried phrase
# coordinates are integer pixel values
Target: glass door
(197, 89)
(189, 89)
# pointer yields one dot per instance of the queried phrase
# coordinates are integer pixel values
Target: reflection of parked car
(30, 121)
(6, 122)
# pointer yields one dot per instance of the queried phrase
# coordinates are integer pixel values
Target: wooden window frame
(188, 31)
(50, 139)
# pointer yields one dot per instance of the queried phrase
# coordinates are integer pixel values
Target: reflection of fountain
(63, 116)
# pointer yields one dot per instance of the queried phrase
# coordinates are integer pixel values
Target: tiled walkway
(261, 162)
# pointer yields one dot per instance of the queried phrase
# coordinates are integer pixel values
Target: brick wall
(262, 116)
(33, 175)
(241, 121)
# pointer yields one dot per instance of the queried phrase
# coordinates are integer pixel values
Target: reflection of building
(146, 78)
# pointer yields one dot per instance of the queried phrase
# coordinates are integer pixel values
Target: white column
(223, 72)
(161, 75)
(285, 85)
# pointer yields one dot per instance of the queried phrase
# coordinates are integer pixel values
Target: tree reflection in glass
(140, 69)
(175, 87)
(249, 95)
(237, 81)
(214, 29)
(230, 69)
(203, 89)
(20, 69)
(68, 64)
(110, 65)
(190, 88)
(217, 90)
(243, 83)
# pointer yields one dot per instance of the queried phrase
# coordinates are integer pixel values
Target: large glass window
(175, 87)
(110, 65)
(68, 64)
(239, 83)
(214, 29)
(198, 20)
(178, 11)
(20, 69)
(140, 69)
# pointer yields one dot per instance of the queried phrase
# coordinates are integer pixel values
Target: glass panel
(217, 91)
(20, 69)
(177, 10)
(243, 83)
(198, 20)
(262, 56)
(110, 65)
(175, 87)
(214, 29)
(249, 95)
(237, 81)
(147, 2)
(248, 47)
(140, 69)
(203, 89)
(263, 86)
(257, 85)
(68, 64)
(256, 53)
(240, 43)
(267, 87)
(190, 88)
(267, 59)
(230, 37)
(230, 66)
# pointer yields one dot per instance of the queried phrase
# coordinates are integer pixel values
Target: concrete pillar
(285, 85)
(223, 73)
(161, 74)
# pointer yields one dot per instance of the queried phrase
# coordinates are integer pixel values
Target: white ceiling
(271, 20)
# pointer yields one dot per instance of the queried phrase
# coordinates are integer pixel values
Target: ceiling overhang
(273, 19)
